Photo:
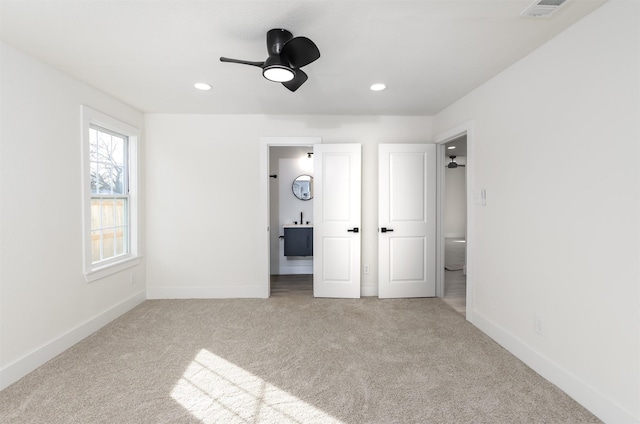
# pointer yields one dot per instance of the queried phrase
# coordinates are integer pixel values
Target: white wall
(46, 305)
(204, 240)
(455, 201)
(559, 235)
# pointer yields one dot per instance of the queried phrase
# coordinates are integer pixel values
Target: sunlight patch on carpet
(214, 390)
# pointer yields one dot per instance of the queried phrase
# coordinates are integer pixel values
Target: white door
(336, 212)
(407, 220)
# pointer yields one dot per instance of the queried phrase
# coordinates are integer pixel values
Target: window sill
(112, 268)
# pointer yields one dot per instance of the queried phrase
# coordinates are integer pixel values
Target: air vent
(542, 8)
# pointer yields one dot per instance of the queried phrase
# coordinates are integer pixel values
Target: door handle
(354, 230)
(386, 230)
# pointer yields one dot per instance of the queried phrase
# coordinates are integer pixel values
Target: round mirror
(303, 187)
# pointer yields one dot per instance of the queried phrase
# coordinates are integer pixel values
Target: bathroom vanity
(298, 240)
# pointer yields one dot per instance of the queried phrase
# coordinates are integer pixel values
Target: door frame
(265, 144)
(440, 140)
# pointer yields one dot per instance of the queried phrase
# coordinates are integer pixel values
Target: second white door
(407, 220)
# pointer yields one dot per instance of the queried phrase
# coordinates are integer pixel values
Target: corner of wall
(587, 396)
(28, 363)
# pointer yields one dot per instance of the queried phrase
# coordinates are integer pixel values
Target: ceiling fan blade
(297, 81)
(300, 51)
(242, 62)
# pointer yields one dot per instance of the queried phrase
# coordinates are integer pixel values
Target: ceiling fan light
(202, 86)
(278, 73)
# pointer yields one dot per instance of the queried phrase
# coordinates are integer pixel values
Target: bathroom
(291, 207)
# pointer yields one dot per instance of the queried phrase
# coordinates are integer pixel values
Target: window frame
(94, 271)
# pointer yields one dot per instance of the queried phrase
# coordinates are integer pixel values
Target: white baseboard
(225, 292)
(23, 366)
(296, 269)
(229, 292)
(587, 396)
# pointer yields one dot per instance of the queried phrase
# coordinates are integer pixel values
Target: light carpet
(289, 359)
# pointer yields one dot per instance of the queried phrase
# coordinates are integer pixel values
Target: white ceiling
(457, 147)
(149, 53)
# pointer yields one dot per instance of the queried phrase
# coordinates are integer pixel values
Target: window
(109, 169)
(109, 193)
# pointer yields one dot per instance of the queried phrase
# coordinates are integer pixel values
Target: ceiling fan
(287, 54)
(453, 164)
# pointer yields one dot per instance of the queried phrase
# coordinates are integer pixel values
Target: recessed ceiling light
(377, 87)
(451, 147)
(202, 86)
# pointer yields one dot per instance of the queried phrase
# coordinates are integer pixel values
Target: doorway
(272, 233)
(458, 251)
(337, 185)
(290, 210)
(455, 223)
